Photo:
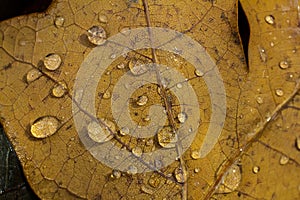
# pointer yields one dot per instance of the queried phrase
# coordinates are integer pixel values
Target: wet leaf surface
(256, 155)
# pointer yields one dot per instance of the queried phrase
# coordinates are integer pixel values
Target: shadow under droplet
(83, 39)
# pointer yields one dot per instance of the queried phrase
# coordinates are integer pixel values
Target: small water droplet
(180, 175)
(97, 35)
(142, 100)
(132, 170)
(284, 160)
(166, 138)
(137, 67)
(116, 174)
(149, 142)
(147, 118)
(113, 56)
(179, 85)
(59, 90)
(137, 151)
(272, 44)
(298, 143)
(263, 55)
(283, 64)
(196, 170)
(199, 73)
(259, 100)
(101, 133)
(255, 169)
(154, 182)
(121, 66)
(124, 131)
(106, 95)
(103, 18)
(32, 75)
(195, 155)
(44, 127)
(279, 92)
(182, 117)
(59, 21)
(52, 61)
(231, 180)
(270, 19)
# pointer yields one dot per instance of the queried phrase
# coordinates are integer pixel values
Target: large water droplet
(231, 180)
(283, 64)
(32, 75)
(101, 133)
(166, 137)
(52, 61)
(142, 100)
(270, 19)
(59, 90)
(137, 67)
(279, 92)
(44, 127)
(59, 21)
(180, 175)
(97, 35)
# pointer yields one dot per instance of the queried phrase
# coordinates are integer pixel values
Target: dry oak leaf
(255, 156)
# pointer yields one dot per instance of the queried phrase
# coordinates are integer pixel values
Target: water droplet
(270, 19)
(103, 18)
(132, 170)
(195, 154)
(263, 55)
(59, 21)
(97, 35)
(279, 92)
(298, 142)
(124, 131)
(44, 127)
(101, 133)
(196, 170)
(113, 56)
(154, 182)
(142, 100)
(166, 138)
(180, 175)
(231, 180)
(32, 75)
(137, 67)
(179, 85)
(52, 61)
(272, 44)
(182, 117)
(59, 90)
(283, 64)
(116, 174)
(146, 119)
(121, 66)
(259, 100)
(147, 190)
(255, 169)
(284, 160)
(199, 73)
(137, 151)
(106, 95)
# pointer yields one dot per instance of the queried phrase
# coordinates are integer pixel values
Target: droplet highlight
(44, 127)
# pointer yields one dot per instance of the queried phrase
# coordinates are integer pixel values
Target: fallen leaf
(262, 101)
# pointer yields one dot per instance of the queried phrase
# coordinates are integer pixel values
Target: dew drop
(182, 117)
(284, 160)
(59, 90)
(116, 174)
(142, 100)
(166, 138)
(59, 21)
(103, 18)
(100, 133)
(32, 75)
(270, 19)
(52, 61)
(113, 56)
(179, 85)
(44, 127)
(195, 155)
(137, 67)
(106, 95)
(180, 175)
(259, 100)
(283, 64)
(279, 92)
(124, 131)
(231, 180)
(298, 143)
(196, 170)
(132, 170)
(255, 169)
(154, 182)
(121, 66)
(198, 73)
(137, 151)
(96, 35)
